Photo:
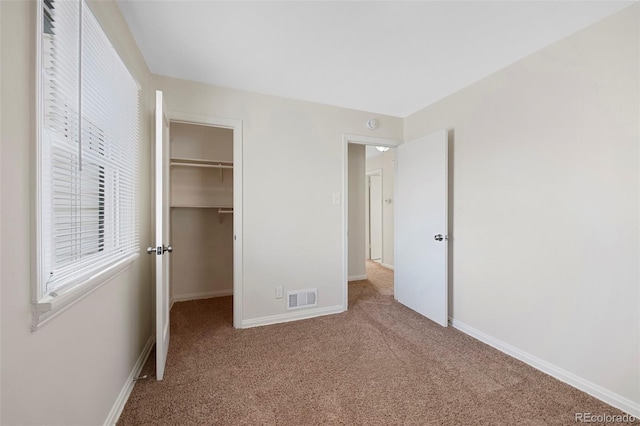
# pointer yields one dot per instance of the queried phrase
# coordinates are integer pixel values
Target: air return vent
(302, 298)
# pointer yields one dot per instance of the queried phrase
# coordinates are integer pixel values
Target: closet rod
(223, 211)
(215, 166)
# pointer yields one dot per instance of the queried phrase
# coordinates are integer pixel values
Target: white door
(421, 226)
(162, 248)
(375, 217)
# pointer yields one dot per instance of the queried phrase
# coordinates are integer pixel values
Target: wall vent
(302, 298)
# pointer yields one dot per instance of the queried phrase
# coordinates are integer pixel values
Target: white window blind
(88, 151)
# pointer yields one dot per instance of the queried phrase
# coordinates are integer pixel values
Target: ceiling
(384, 57)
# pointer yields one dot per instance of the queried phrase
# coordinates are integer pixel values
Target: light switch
(336, 198)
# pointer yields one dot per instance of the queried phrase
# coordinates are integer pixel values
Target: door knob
(159, 250)
(438, 237)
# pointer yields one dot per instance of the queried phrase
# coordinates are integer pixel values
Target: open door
(160, 250)
(421, 226)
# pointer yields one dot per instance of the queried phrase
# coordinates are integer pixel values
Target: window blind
(89, 148)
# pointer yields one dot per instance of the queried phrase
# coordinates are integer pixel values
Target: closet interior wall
(201, 211)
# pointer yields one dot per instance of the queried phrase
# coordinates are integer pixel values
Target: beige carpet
(380, 277)
(377, 364)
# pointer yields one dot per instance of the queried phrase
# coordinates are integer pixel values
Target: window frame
(46, 306)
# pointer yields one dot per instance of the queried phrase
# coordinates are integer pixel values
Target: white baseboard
(597, 391)
(357, 277)
(123, 396)
(386, 265)
(202, 295)
(292, 316)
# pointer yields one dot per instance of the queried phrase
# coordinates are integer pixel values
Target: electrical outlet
(279, 292)
(337, 198)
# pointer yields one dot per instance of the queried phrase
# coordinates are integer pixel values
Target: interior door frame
(236, 126)
(359, 140)
(375, 172)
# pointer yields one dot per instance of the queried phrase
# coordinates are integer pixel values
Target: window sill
(49, 307)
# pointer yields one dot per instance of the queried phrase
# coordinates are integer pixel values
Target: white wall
(545, 187)
(72, 369)
(356, 208)
(385, 162)
(292, 153)
(202, 258)
(203, 142)
(1, 215)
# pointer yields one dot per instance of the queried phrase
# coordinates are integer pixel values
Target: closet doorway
(205, 158)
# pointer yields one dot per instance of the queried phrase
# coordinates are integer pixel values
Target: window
(88, 142)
